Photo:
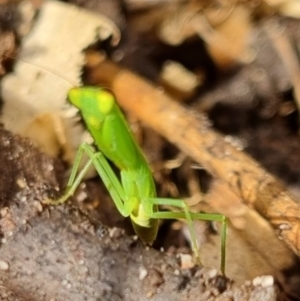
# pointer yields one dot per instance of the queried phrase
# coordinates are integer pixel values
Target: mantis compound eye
(105, 101)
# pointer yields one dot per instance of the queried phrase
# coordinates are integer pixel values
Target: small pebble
(176, 272)
(38, 206)
(267, 281)
(4, 266)
(212, 273)
(142, 273)
(3, 212)
(256, 281)
(21, 183)
(186, 261)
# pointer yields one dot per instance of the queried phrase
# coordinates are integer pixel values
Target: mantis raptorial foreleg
(105, 172)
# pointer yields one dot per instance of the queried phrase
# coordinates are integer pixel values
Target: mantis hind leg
(189, 217)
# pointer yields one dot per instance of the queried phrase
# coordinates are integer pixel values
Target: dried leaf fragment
(51, 62)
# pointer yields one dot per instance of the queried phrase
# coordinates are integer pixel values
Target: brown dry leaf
(226, 33)
(228, 41)
(263, 253)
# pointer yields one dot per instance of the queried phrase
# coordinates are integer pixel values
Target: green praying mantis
(133, 192)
